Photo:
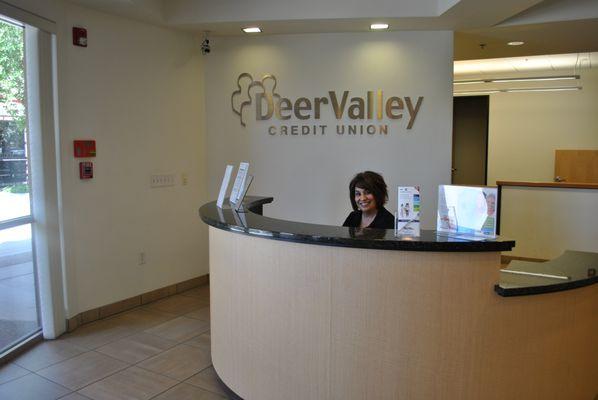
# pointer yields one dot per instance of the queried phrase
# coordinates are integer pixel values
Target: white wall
(309, 175)
(526, 128)
(524, 131)
(137, 90)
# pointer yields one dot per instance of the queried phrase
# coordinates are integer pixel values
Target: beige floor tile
(31, 387)
(202, 314)
(96, 334)
(180, 362)
(202, 341)
(138, 347)
(82, 370)
(188, 392)
(177, 304)
(141, 319)
(74, 396)
(180, 329)
(131, 383)
(208, 380)
(9, 372)
(201, 292)
(47, 353)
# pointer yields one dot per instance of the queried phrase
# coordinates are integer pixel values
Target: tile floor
(158, 351)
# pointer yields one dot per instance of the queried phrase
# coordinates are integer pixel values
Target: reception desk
(548, 218)
(304, 311)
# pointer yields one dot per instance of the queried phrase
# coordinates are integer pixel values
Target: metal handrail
(11, 223)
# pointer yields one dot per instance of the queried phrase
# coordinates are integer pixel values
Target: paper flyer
(239, 184)
(224, 186)
(408, 215)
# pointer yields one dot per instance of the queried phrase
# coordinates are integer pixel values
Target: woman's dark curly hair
(374, 183)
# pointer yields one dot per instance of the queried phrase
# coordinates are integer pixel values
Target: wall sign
(371, 111)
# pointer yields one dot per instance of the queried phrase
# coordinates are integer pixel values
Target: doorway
(19, 311)
(470, 140)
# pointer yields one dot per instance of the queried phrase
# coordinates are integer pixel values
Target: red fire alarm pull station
(85, 170)
(79, 36)
(85, 148)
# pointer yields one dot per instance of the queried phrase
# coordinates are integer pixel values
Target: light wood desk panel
(301, 321)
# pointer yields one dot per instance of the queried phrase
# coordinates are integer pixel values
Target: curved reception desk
(316, 312)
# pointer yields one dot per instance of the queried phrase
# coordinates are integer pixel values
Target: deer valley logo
(369, 112)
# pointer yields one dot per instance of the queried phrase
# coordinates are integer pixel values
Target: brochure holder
(238, 206)
(467, 212)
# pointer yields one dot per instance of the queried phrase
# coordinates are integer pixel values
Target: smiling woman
(368, 194)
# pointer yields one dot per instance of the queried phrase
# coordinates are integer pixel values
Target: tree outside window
(13, 163)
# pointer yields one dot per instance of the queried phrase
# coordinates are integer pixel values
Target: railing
(13, 171)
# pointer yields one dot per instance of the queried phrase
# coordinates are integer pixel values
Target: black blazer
(384, 220)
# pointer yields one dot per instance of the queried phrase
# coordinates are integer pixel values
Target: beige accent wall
(309, 175)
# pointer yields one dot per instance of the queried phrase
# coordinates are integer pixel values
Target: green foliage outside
(11, 136)
(18, 188)
(12, 83)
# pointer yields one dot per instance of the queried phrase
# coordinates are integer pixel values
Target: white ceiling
(547, 27)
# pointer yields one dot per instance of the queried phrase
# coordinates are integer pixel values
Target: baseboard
(108, 310)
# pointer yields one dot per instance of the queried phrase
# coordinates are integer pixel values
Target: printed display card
(224, 186)
(239, 184)
(408, 214)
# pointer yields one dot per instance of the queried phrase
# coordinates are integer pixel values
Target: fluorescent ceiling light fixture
(475, 92)
(516, 43)
(472, 82)
(550, 89)
(252, 29)
(526, 79)
(539, 78)
(378, 26)
(553, 89)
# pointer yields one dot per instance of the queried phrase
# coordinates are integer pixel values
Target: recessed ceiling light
(516, 43)
(252, 29)
(378, 26)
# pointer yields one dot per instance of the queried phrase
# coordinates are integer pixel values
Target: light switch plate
(162, 180)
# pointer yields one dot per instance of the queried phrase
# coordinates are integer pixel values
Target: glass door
(19, 316)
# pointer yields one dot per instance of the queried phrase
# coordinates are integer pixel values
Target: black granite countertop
(250, 222)
(571, 270)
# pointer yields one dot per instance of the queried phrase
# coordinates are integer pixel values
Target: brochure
(224, 186)
(408, 215)
(239, 184)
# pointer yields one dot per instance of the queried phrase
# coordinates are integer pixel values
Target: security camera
(205, 47)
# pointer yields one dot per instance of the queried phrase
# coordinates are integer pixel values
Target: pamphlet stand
(238, 206)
